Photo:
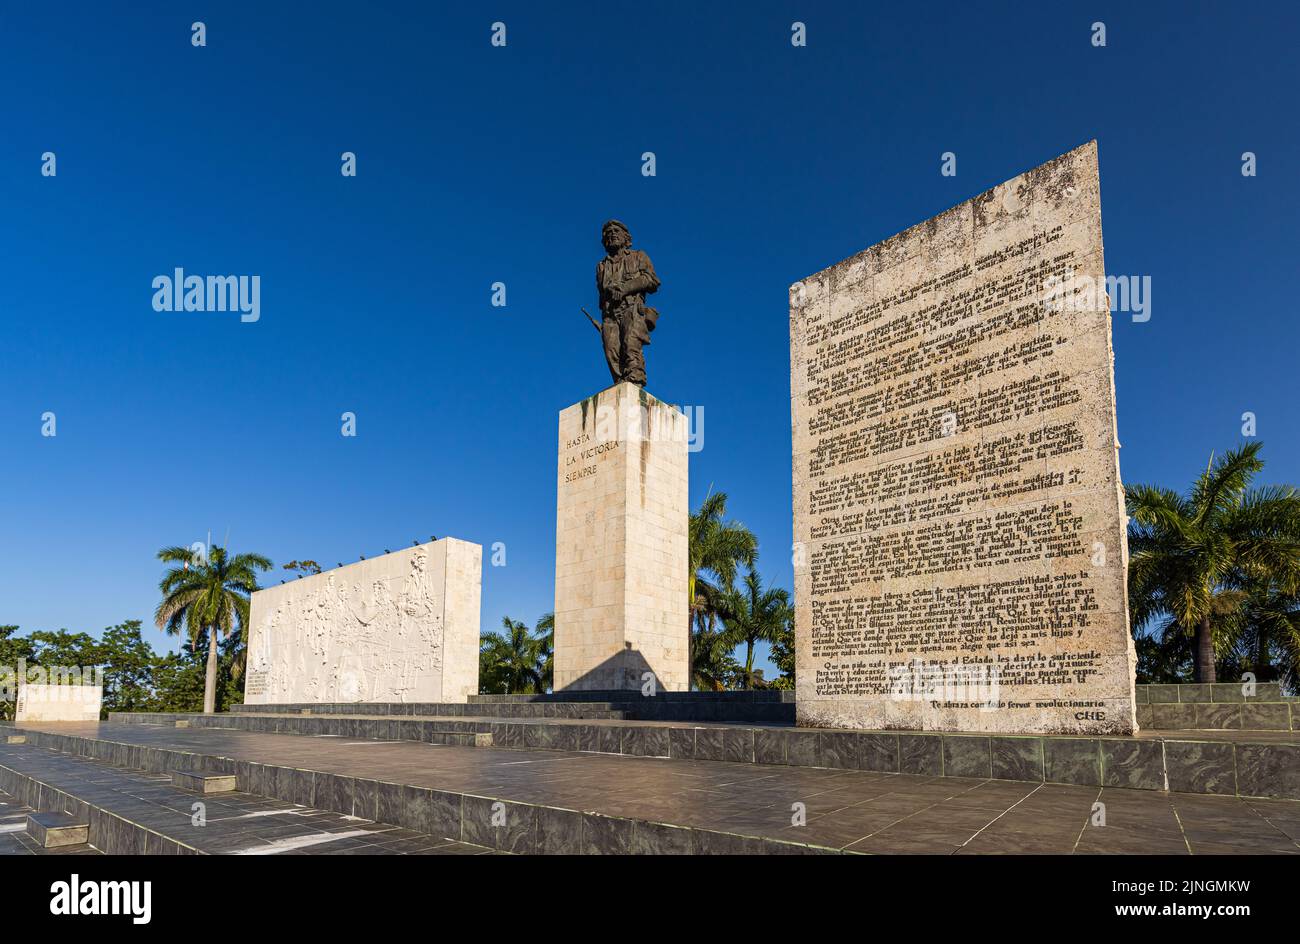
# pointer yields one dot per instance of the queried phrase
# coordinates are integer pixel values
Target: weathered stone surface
(620, 543)
(58, 702)
(960, 545)
(403, 627)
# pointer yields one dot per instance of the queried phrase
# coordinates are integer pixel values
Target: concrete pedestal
(620, 544)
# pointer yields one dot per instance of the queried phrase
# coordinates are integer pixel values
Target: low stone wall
(1185, 764)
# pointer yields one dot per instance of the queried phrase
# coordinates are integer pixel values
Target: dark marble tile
(840, 750)
(966, 756)
(1268, 770)
(563, 737)
(609, 739)
(660, 839)
(403, 805)
(1266, 717)
(1136, 764)
(1017, 758)
(256, 782)
(1140, 695)
(709, 744)
(655, 742)
(778, 847)
(1228, 692)
(336, 794)
(301, 786)
(434, 812)
(769, 746)
(559, 832)
(802, 749)
(738, 745)
(878, 751)
(1217, 717)
(709, 842)
(1072, 760)
(1194, 694)
(499, 824)
(681, 743)
(365, 798)
(1144, 716)
(587, 737)
(1173, 717)
(606, 835)
(1162, 694)
(1200, 767)
(275, 782)
(920, 754)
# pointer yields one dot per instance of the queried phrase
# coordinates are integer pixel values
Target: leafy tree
(130, 663)
(713, 665)
(545, 630)
(754, 613)
(308, 567)
(15, 652)
(783, 655)
(513, 661)
(716, 549)
(1224, 535)
(207, 595)
(180, 677)
(67, 658)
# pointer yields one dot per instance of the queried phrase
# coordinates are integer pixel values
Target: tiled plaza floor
(855, 810)
(232, 823)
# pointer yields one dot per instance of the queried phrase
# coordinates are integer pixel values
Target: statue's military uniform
(626, 323)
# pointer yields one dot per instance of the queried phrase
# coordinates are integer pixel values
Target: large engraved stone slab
(403, 627)
(960, 545)
(620, 543)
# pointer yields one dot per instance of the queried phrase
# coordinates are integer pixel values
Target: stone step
(1219, 716)
(658, 708)
(467, 820)
(588, 710)
(490, 799)
(1264, 764)
(458, 732)
(15, 840)
(1217, 692)
(49, 830)
(760, 696)
(15, 739)
(132, 812)
(203, 783)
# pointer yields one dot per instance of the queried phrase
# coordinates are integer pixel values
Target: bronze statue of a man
(623, 279)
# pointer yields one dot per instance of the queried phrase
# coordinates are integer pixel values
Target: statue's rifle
(594, 324)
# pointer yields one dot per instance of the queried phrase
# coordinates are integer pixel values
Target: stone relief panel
(369, 632)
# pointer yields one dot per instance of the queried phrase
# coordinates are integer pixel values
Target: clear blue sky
(478, 164)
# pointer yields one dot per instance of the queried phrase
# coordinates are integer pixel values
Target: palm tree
(545, 630)
(1224, 535)
(716, 548)
(1164, 654)
(516, 658)
(1266, 637)
(753, 613)
(713, 666)
(207, 594)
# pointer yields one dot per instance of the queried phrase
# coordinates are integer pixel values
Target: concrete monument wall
(620, 543)
(403, 627)
(58, 702)
(959, 523)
